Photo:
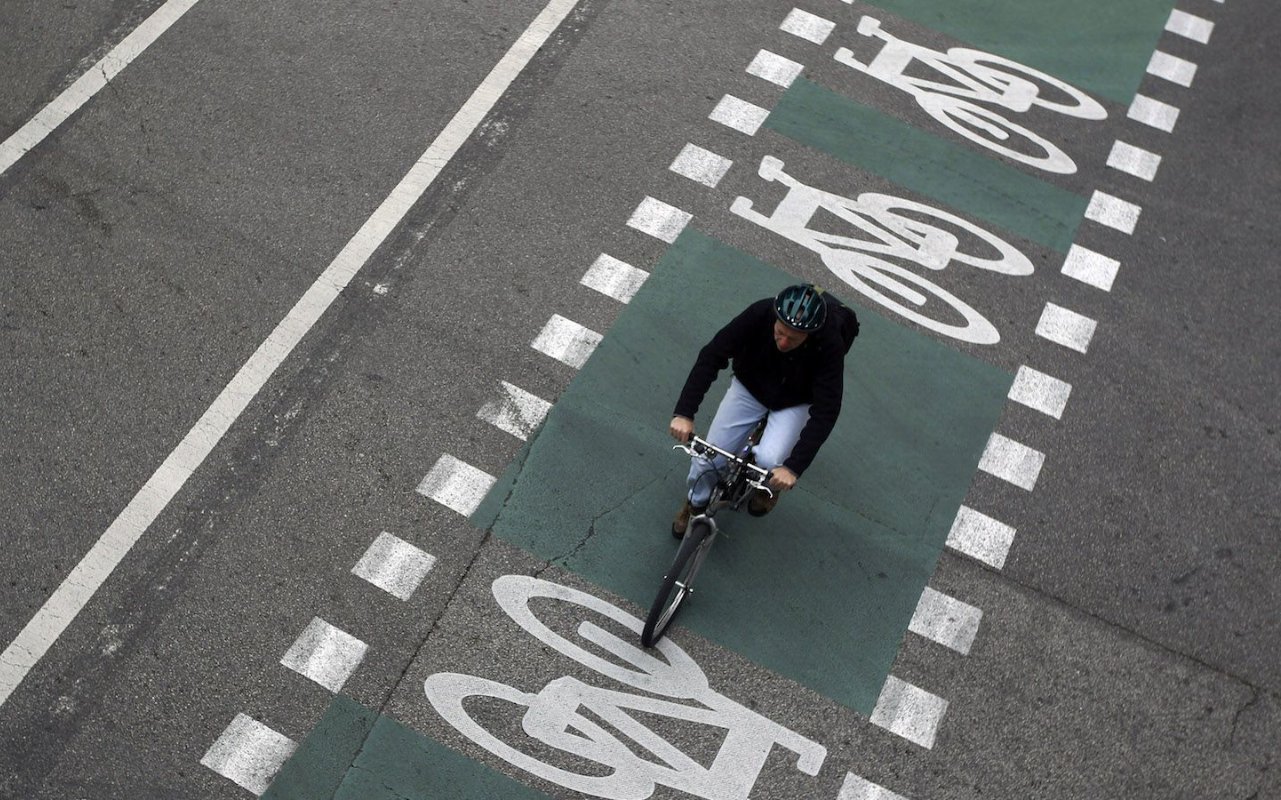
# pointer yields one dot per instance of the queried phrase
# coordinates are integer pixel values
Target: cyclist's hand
(681, 429)
(782, 479)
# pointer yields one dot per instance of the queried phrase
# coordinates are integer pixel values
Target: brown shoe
(683, 516)
(761, 503)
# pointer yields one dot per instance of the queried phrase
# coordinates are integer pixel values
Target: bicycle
(735, 483)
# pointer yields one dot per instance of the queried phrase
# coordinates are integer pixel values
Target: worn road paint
(1115, 213)
(1133, 160)
(1012, 461)
(774, 68)
(1089, 267)
(456, 485)
(909, 711)
(856, 788)
(566, 341)
(325, 654)
(394, 565)
(1172, 68)
(700, 165)
(981, 537)
(807, 26)
(517, 411)
(1041, 392)
(740, 115)
(249, 754)
(1153, 113)
(658, 219)
(946, 620)
(1190, 26)
(614, 278)
(1068, 328)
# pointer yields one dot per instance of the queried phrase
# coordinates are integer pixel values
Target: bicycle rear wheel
(678, 583)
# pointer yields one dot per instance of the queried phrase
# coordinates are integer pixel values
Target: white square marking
(456, 485)
(946, 620)
(1189, 26)
(1153, 113)
(1011, 461)
(856, 788)
(774, 68)
(659, 220)
(615, 278)
(1172, 68)
(1068, 328)
(1090, 267)
(701, 166)
(738, 114)
(249, 754)
(809, 27)
(980, 537)
(516, 411)
(566, 341)
(394, 565)
(1133, 160)
(908, 711)
(1041, 392)
(1113, 212)
(325, 654)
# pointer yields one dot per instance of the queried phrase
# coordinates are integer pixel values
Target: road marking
(1012, 461)
(1172, 68)
(1068, 328)
(1113, 212)
(1133, 160)
(566, 341)
(47, 120)
(1090, 267)
(615, 278)
(249, 754)
(739, 114)
(946, 620)
(774, 68)
(807, 26)
(325, 654)
(1153, 113)
(517, 412)
(701, 166)
(394, 565)
(981, 537)
(97, 565)
(909, 711)
(856, 788)
(1041, 392)
(456, 485)
(1190, 26)
(658, 219)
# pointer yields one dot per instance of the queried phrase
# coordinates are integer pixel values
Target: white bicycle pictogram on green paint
(896, 231)
(978, 80)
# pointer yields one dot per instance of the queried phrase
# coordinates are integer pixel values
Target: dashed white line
(394, 565)
(857, 788)
(1172, 68)
(1153, 113)
(517, 411)
(615, 278)
(1189, 26)
(249, 754)
(700, 165)
(1089, 267)
(774, 68)
(1012, 461)
(981, 537)
(566, 341)
(1115, 213)
(946, 620)
(1133, 160)
(810, 27)
(739, 114)
(1068, 328)
(1041, 392)
(909, 711)
(456, 485)
(325, 654)
(658, 219)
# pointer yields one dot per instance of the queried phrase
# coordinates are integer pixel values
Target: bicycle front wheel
(678, 583)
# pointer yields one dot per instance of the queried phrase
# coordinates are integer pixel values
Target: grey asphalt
(1128, 647)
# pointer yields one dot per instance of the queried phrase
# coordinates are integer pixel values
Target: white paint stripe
(946, 620)
(325, 654)
(774, 68)
(1090, 267)
(1172, 68)
(1041, 392)
(980, 537)
(394, 565)
(566, 341)
(71, 596)
(856, 788)
(1068, 328)
(249, 754)
(456, 485)
(739, 114)
(1113, 212)
(72, 98)
(701, 166)
(517, 411)
(1133, 160)
(1190, 26)
(615, 278)
(1154, 113)
(1011, 461)
(909, 711)
(807, 26)
(659, 220)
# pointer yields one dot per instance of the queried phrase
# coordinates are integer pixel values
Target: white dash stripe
(1012, 461)
(615, 278)
(1113, 212)
(1089, 267)
(516, 411)
(566, 341)
(1153, 113)
(394, 565)
(249, 754)
(1133, 160)
(1171, 68)
(658, 219)
(1041, 392)
(981, 537)
(909, 711)
(857, 788)
(810, 27)
(456, 485)
(739, 114)
(325, 654)
(774, 68)
(1189, 26)
(701, 166)
(70, 597)
(946, 620)
(1068, 328)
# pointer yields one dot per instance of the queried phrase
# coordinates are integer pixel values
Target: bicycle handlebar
(701, 447)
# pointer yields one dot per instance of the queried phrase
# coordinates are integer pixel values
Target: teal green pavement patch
(973, 184)
(355, 753)
(822, 589)
(1102, 46)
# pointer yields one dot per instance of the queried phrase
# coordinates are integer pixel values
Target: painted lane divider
(946, 620)
(909, 711)
(1041, 392)
(1133, 160)
(700, 165)
(1089, 267)
(614, 278)
(1190, 26)
(249, 754)
(456, 485)
(1172, 68)
(807, 26)
(325, 654)
(774, 68)
(1012, 461)
(1153, 113)
(740, 115)
(658, 219)
(856, 788)
(516, 411)
(566, 341)
(980, 537)
(394, 565)
(1113, 212)
(1068, 328)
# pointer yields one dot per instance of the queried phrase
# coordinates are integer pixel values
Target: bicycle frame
(734, 483)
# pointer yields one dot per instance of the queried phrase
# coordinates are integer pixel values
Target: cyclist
(788, 354)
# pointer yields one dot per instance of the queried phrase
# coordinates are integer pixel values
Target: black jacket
(812, 373)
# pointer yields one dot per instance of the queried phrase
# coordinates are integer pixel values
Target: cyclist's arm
(715, 356)
(829, 388)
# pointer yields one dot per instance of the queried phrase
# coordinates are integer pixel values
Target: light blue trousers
(735, 418)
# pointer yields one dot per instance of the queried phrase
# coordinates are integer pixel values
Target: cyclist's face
(788, 338)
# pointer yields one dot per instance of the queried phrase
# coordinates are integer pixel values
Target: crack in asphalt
(591, 529)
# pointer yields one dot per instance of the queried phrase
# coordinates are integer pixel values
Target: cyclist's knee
(768, 457)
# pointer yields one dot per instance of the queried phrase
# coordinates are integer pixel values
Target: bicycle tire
(678, 583)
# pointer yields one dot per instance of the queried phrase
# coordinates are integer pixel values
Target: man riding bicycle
(788, 354)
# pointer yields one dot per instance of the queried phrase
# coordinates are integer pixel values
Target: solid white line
(701, 166)
(909, 711)
(325, 654)
(89, 84)
(71, 596)
(807, 26)
(1153, 113)
(456, 485)
(566, 341)
(1012, 461)
(946, 620)
(249, 754)
(1190, 26)
(658, 219)
(1133, 160)
(1068, 328)
(394, 565)
(1172, 68)
(517, 411)
(738, 114)
(1041, 392)
(615, 278)
(1090, 267)
(980, 537)
(774, 68)
(857, 788)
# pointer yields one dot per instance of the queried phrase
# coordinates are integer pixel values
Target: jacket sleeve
(829, 389)
(713, 358)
